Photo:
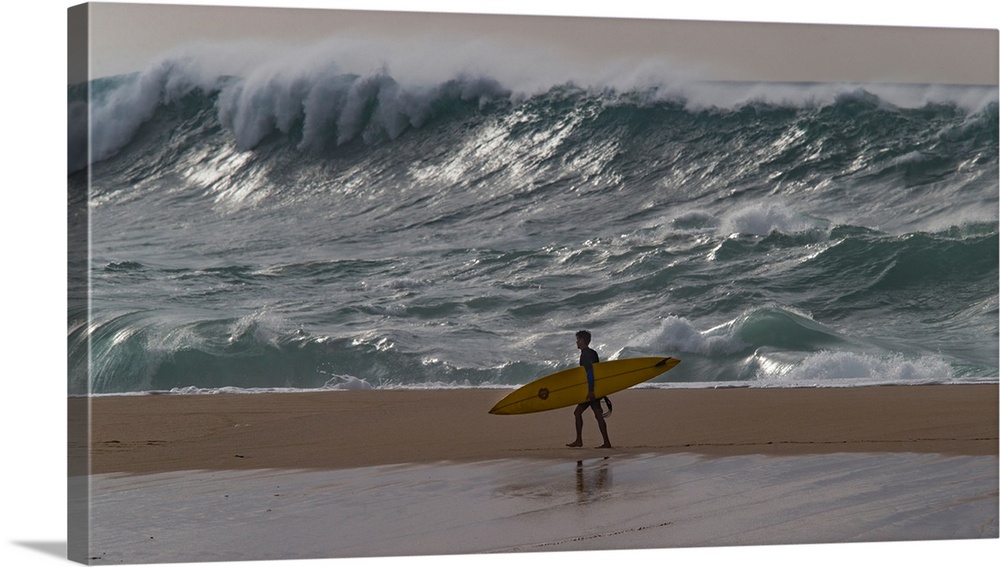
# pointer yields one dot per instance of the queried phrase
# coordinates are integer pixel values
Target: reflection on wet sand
(592, 482)
(617, 502)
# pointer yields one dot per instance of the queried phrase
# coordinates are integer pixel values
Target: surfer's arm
(589, 367)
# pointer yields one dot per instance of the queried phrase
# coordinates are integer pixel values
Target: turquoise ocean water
(317, 228)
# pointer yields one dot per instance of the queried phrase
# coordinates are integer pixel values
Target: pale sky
(900, 48)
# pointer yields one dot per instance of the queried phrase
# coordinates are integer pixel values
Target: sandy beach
(349, 429)
(388, 473)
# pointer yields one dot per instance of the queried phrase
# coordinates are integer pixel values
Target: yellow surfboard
(569, 387)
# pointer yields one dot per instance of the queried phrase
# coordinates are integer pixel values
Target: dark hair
(585, 335)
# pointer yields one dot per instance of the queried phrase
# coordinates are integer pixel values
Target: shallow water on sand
(646, 501)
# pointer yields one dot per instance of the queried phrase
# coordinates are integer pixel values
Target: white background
(33, 204)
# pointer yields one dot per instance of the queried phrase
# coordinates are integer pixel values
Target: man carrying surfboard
(588, 357)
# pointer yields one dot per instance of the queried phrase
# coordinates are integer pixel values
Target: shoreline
(506, 388)
(332, 430)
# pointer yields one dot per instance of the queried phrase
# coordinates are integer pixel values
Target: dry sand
(349, 429)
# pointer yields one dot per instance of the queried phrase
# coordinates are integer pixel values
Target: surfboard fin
(607, 401)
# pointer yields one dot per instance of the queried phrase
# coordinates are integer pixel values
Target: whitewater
(328, 219)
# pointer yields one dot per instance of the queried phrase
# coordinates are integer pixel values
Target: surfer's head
(582, 338)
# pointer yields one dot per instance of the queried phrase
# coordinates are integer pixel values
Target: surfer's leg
(601, 424)
(578, 417)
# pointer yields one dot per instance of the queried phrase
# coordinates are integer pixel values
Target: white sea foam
(828, 366)
(677, 334)
(762, 219)
(338, 382)
(274, 84)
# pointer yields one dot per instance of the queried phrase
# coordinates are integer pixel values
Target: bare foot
(604, 446)
(575, 444)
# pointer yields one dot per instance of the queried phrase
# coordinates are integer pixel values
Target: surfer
(588, 357)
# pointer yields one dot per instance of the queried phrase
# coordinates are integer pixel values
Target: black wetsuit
(588, 357)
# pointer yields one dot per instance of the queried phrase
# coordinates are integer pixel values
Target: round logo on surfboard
(543, 393)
